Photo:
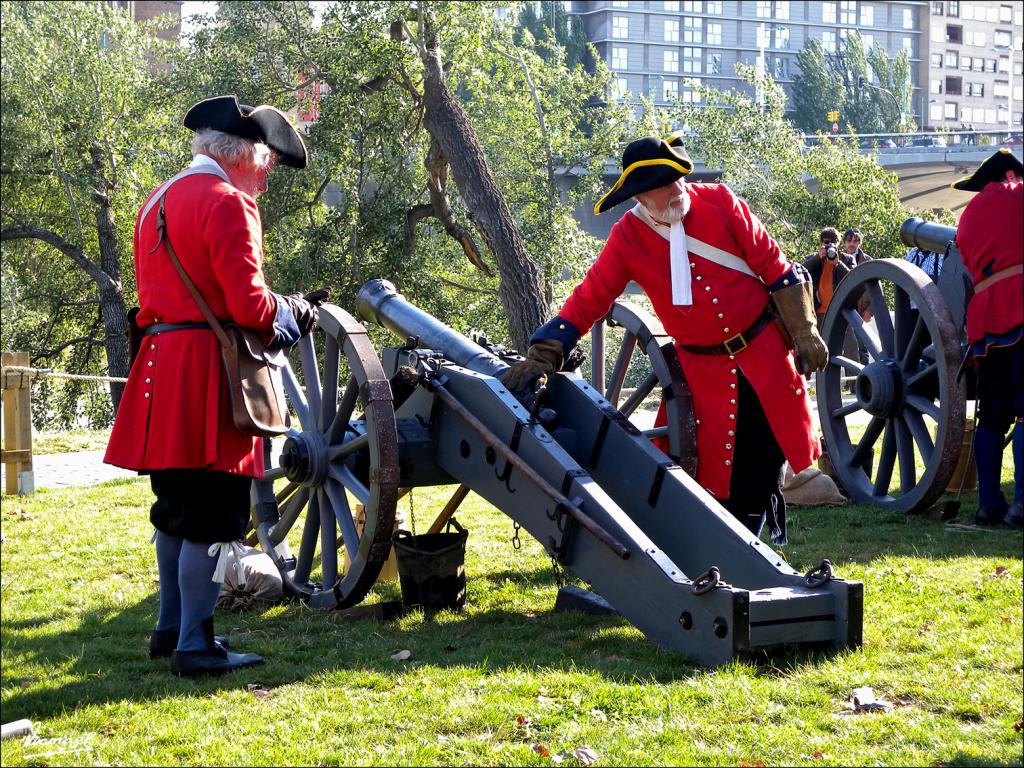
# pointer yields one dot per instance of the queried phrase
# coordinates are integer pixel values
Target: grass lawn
(506, 682)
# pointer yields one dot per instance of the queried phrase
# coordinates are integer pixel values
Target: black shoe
(216, 661)
(163, 642)
(1015, 516)
(989, 516)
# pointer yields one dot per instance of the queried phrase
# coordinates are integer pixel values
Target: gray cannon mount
(568, 467)
(890, 400)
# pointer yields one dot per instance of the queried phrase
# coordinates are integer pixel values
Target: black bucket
(431, 568)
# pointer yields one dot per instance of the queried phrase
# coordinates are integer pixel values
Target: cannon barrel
(926, 235)
(379, 302)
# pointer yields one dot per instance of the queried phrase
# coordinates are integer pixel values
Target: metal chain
(558, 571)
(517, 544)
(412, 514)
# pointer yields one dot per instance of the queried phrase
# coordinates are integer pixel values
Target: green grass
(70, 440)
(942, 635)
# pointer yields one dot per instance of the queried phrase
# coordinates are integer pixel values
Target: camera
(831, 253)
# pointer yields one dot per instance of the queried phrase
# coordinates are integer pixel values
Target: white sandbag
(250, 580)
(811, 488)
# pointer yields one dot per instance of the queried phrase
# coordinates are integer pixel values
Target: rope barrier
(43, 373)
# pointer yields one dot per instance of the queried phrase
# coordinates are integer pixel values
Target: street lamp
(862, 83)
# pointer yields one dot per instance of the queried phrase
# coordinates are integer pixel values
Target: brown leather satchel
(254, 373)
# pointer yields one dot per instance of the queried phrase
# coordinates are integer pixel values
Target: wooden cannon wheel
(347, 446)
(906, 394)
(646, 340)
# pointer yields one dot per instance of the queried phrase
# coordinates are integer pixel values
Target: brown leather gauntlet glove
(542, 358)
(795, 305)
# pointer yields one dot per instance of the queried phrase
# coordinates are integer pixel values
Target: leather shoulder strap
(158, 195)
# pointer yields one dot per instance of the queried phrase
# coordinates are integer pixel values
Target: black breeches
(1001, 387)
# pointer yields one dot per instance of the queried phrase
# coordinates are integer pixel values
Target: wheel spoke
(851, 366)
(349, 446)
(639, 394)
(883, 320)
(328, 542)
(925, 406)
(343, 512)
(923, 373)
(903, 320)
(922, 437)
(345, 409)
(273, 473)
(886, 462)
(860, 456)
(329, 405)
(311, 373)
(347, 478)
(307, 548)
(911, 353)
(905, 450)
(655, 432)
(618, 376)
(298, 399)
(289, 512)
(864, 336)
(843, 411)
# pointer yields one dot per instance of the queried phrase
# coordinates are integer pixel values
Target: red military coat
(725, 302)
(990, 239)
(175, 411)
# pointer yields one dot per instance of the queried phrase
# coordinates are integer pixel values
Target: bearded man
(710, 269)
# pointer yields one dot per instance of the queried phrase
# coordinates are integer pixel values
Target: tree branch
(460, 286)
(47, 353)
(101, 278)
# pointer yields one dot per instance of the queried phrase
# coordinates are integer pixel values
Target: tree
(851, 80)
(76, 105)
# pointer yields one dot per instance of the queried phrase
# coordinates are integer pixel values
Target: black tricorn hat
(647, 164)
(263, 123)
(993, 169)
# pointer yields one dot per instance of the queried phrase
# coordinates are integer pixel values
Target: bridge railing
(925, 140)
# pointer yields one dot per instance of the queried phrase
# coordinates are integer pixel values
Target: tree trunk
(112, 307)
(521, 287)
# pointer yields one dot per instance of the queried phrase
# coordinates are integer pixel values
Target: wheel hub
(304, 458)
(879, 388)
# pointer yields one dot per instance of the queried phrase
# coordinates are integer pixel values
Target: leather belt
(149, 330)
(735, 344)
(1002, 274)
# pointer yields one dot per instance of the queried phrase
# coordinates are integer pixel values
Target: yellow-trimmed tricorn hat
(993, 169)
(647, 164)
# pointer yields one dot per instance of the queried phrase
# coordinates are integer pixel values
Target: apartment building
(974, 65)
(659, 48)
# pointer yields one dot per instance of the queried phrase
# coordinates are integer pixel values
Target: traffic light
(860, 81)
(833, 116)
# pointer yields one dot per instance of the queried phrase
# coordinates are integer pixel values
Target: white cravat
(208, 163)
(678, 255)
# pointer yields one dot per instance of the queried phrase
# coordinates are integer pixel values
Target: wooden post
(17, 450)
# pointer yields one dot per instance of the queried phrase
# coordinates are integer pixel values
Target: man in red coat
(991, 241)
(174, 421)
(710, 269)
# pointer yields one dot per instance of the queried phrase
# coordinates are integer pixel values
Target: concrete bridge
(926, 164)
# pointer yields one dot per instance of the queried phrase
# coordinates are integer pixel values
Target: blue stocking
(988, 453)
(198, 596)
(168, 549)
(1018, 463)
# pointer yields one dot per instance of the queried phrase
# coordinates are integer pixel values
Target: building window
(908, 18)
(1006, 13)
(693, 6)
(691, 61)
(620, 87)
(714, 63)
(781, 68)
(714, 33)
(828, 41)
(620, 58)
(938, 34)
(977, 64)
(781, 9)
(936, 60)
(715, 7)
(950, 111)
(867, 15)
(693, 30)
(620, 4)
(671, 30)
(934, 111)
(953, 8)
(992, 14)
(976, 89)
(954, 86)
(1002, 38)
(869, 41)
(937, 8)
(908, 46)
(1004, 64)
(848, 12)
(764, 9)
(990, 115)
(670, 90)
(968, 12)
(620, 26)
(990, 65)
(670, 61)
(689, 95)
(782, 37)
(671, 6)
(828, 13)
(976, 38)
(952, 59)
(936, 86)
(954, 34)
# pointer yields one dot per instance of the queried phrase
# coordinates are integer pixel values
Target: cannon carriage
(894, 423)
(565, 464)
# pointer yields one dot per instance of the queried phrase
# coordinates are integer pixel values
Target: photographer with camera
(827, 269)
